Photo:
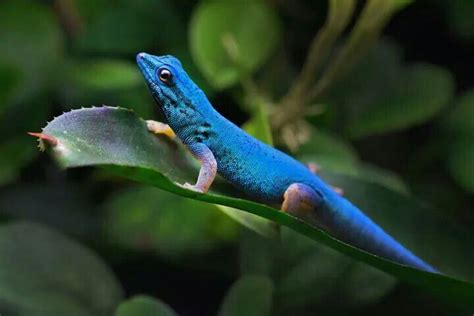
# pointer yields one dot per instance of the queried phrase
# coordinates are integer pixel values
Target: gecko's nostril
(141, 56)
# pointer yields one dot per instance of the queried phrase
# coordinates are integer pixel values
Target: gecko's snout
(140, 56)
(144, 62)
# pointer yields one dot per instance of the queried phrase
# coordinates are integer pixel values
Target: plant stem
(367, 29)
(339, 15)
(69, 17)
(375, 14)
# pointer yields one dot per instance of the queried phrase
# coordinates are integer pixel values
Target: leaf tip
(43, 138)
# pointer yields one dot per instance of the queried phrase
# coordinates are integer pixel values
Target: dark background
(49, 52)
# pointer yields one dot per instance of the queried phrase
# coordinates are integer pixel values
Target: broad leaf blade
(422, 92)
(31, 42)
(142, 305)
(146, 218)
(118, 140)
(44, 273)
(250, 295)
(458, 130)
(225, 38)
(105, 74)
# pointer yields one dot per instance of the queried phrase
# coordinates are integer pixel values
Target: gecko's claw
(338, 190)
(189, 186)
(313, 167)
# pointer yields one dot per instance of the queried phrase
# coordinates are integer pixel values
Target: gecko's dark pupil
(165, 75)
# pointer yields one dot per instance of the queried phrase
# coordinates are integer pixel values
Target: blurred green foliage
(458, 128)
(146, 218)
(382, 94)
(392, 121)
(250, 295)
(45, 273)
(143, 305)
(226, 38)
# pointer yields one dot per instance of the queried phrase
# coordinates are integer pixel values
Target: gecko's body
(259, 170)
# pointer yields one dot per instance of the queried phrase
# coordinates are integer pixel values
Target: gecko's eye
(165, 75)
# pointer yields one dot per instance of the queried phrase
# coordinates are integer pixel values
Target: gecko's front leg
(208, 171)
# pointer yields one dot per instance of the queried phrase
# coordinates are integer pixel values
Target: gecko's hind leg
(301, 201)
(160, 128)
(315, 168)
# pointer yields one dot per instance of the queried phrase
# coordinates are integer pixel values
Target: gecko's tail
(349, 224)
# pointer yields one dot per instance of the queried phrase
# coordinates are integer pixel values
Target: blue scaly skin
(264, 173)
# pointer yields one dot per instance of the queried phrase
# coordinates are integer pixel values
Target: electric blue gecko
(262, 172)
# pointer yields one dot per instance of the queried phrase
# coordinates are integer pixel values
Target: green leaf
(15, 153)
(422, 92)
(250, 295)
(257, 254)
(458, 129)
(45, 273)
(119, 141)
(329, 152)
(459, 14)
(259, 126)
(146, 218)
(387, 178)
(334, 154)
(105, 74)
(124, 27)
(382, 95)
(94, 80)
(302, 282)
(258, 224)
(460, 120)
(460, 162)
(33, 113)
(142, 305)
(60, 205)
(10, 79)
(32, 42)
(308, 274)
(226, 38)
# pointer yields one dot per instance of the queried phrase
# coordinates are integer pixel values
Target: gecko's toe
(338, 190)
(191, 187)
(159, 128)
(313, 167)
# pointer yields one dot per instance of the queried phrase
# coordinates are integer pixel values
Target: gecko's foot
(338, 190)
(191, 187)
(313, 167)
(160, 128)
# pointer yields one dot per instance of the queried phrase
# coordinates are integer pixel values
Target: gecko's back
(261, 171)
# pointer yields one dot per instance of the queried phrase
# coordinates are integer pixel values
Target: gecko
(264, 173)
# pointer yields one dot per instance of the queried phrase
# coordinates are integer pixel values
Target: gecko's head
(178, 96)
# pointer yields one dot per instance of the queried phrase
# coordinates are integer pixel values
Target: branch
(367, 29)
(339, 15)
